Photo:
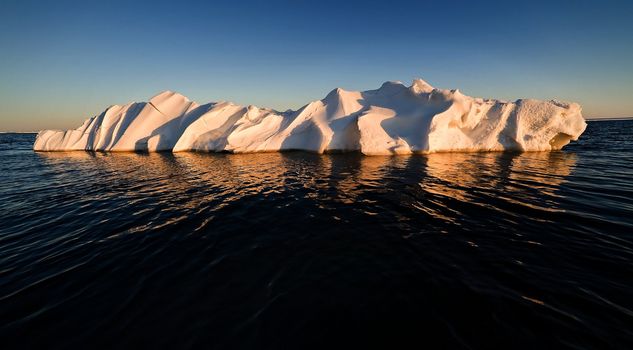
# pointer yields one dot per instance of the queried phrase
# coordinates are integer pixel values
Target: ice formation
(394, 119)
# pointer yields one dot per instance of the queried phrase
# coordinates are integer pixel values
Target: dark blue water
(296, 250)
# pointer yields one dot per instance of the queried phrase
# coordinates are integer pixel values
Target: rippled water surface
(296, 250)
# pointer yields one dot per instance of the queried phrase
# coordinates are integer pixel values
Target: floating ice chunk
(394, 119)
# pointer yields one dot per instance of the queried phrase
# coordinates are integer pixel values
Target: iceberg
(394, 119)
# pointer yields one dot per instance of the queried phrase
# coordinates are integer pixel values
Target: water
(296, 250)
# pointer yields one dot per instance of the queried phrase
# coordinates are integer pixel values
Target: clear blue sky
(64, 61)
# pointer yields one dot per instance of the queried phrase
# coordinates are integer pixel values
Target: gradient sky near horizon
(64, 61)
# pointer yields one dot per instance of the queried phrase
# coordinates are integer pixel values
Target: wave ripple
(296, 250)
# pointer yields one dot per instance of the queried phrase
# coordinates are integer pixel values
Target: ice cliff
(394, 119)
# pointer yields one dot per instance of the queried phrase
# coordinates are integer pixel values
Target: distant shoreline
(18, 132)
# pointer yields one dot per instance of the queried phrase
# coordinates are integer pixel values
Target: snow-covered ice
(394, 119)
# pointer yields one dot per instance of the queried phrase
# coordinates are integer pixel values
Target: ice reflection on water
(289, 249)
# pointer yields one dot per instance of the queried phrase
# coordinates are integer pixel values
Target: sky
(62, 62)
